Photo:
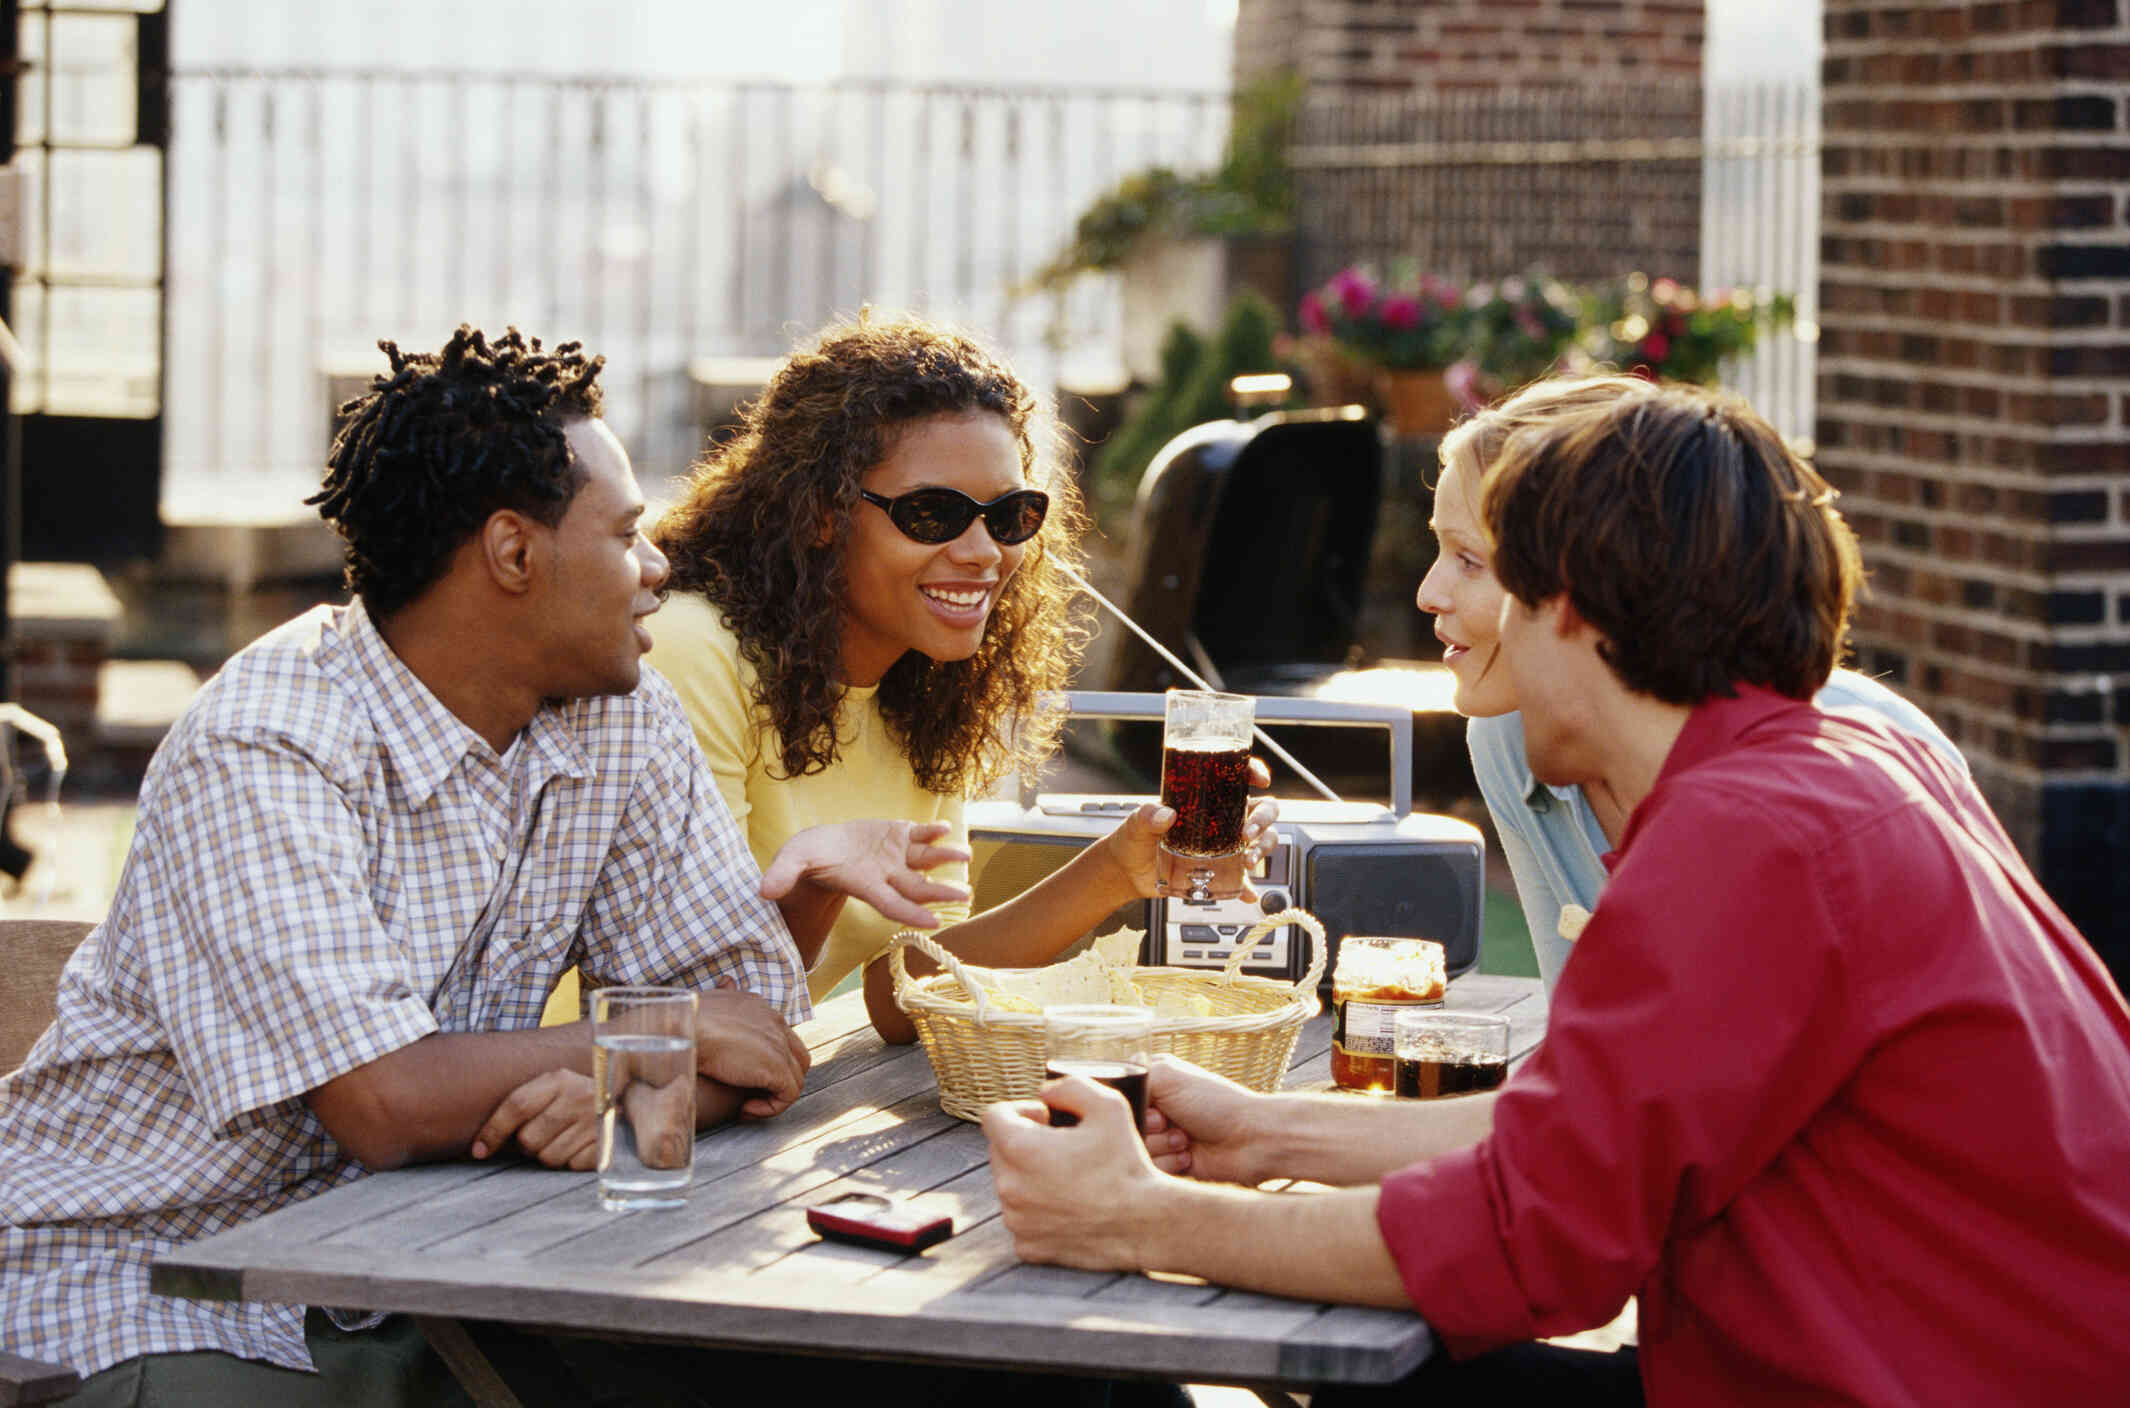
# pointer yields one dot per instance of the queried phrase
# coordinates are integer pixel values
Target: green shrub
(1193, 390)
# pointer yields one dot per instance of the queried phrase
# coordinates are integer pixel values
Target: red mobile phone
(869, 1220)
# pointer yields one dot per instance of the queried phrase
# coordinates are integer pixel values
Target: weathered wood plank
(919, 1177)
(889, 1315)
(209, 1269)
(1355, 1344)
(556, 1231)
(836, 1018)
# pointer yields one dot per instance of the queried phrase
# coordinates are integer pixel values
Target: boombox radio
(1360, 867)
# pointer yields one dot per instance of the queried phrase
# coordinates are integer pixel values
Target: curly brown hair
(748, 535)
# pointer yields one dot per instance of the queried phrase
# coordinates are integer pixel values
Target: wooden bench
(34, 1381)
(32, 951)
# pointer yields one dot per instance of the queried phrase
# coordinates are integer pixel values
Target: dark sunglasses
(942, 515)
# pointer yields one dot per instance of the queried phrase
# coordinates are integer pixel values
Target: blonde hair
(1477, 441)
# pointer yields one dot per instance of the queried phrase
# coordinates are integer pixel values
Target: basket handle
(1317, 949)
(899, 972)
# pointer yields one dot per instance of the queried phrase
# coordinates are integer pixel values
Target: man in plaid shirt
(363, 857)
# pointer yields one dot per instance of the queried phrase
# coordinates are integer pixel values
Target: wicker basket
(982, 1053)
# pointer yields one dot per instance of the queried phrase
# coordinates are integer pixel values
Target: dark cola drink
(1209, 790)
(1124, 1077)
(1426, 1078)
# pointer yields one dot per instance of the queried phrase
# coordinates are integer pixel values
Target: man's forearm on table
(428, 1099)
(1344, 1141)
(1312, 1246)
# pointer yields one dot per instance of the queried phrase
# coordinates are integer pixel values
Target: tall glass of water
(643, 1073)
(1205, 778)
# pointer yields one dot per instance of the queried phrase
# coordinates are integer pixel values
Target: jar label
(1369, 1028)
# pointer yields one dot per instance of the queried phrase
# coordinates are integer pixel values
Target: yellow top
(869, 779)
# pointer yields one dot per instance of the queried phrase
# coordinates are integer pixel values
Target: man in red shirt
(1830, 1083)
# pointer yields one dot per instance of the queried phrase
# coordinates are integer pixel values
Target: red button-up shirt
(1829, 1081)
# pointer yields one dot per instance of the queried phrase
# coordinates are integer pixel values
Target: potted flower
(1520, 328)
(1402, 336)
(1662, 328)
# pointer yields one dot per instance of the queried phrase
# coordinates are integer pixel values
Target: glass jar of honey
(1376, 979)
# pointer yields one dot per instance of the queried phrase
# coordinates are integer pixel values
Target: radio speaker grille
(1399, 892)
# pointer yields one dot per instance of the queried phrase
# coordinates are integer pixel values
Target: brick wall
(1448, 98)
(1974, 399)
(1451, 45)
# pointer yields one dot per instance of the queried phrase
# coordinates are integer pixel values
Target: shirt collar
(424, 739)
(1713, 727)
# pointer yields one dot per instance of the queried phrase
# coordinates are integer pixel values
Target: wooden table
(737, 1267)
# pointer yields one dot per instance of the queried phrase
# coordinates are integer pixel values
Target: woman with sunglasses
(868, 595)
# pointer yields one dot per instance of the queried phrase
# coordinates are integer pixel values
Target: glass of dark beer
(1205, 777)
(1450, 1053)
(1105, 1043)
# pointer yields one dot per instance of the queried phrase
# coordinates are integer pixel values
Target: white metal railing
(660, 222)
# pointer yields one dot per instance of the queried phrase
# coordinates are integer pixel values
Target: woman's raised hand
(880, 862)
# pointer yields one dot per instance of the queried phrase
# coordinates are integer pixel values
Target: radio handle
(1278, 709)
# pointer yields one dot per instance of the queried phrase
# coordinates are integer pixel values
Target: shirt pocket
(522, 964)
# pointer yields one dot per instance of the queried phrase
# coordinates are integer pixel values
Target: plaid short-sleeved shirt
(328, 865)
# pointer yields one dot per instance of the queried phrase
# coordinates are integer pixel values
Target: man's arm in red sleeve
(1702, 1022)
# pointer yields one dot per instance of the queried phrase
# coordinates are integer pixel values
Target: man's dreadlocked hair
(432, 449)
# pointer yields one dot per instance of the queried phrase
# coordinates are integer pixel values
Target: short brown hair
(1682, 527)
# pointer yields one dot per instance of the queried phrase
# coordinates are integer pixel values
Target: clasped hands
(741, 1043)
(1090, 1196)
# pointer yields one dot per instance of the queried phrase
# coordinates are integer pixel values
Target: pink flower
(1528, 324)
(1313, 316)
(1354, 290)
(1654, 347)
(1462, 378)
(1400, 312)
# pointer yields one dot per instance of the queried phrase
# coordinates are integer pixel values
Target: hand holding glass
(1110, 1044)
(1205, 779)
(643, 1076)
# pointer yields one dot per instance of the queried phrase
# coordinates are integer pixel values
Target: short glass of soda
(1450, 1053)
(1106, 1043)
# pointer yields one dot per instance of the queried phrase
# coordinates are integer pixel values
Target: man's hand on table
(554, 1117)
(743, 1042)
(1078, 1196)
(1090, 1196)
